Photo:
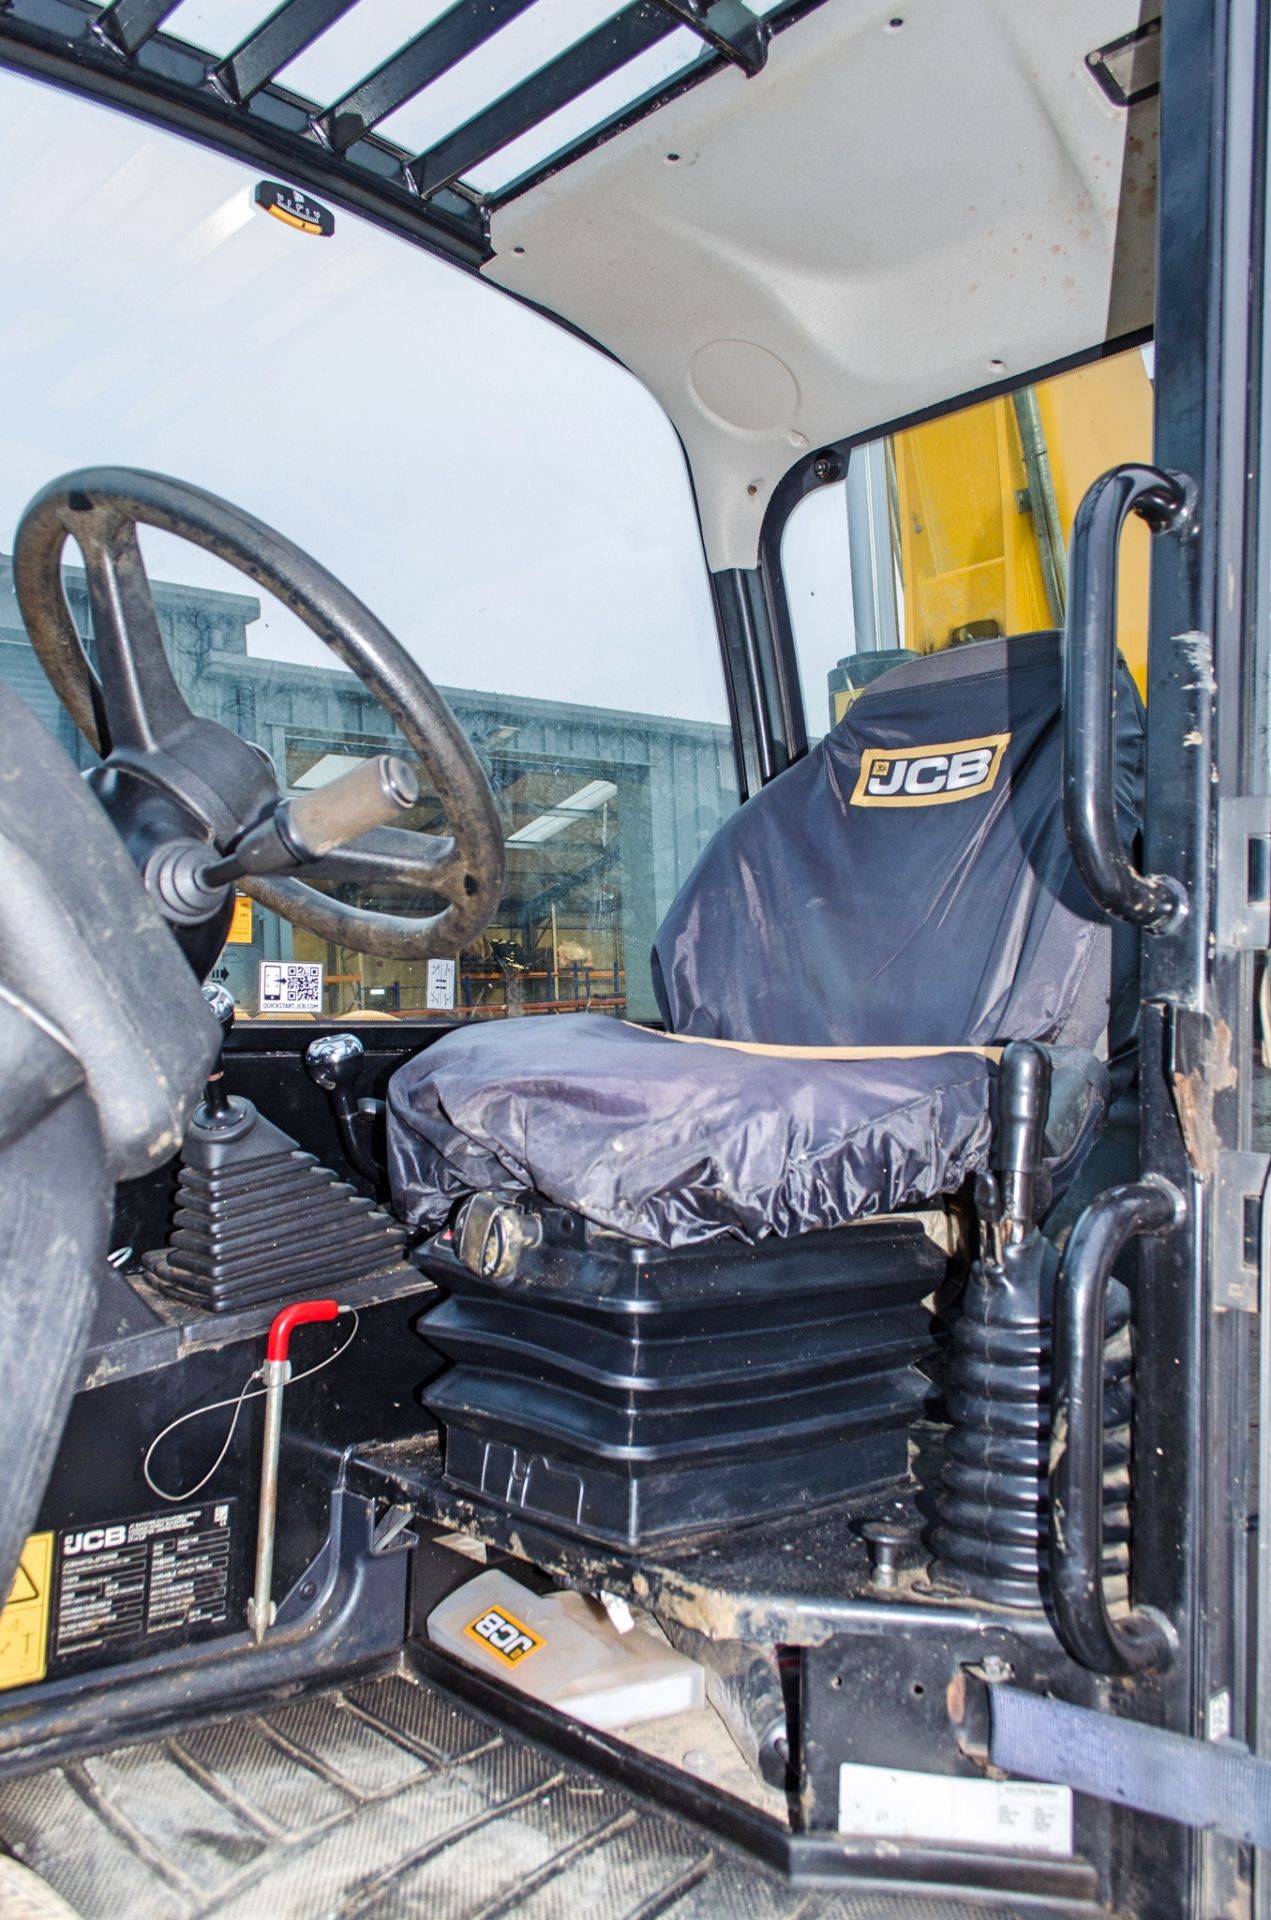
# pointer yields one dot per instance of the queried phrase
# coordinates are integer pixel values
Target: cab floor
(385, 1799)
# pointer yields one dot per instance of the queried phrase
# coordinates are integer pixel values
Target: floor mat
(386, 1800)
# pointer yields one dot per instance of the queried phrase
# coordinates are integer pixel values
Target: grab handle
(1143, 1638)
(1153, 901)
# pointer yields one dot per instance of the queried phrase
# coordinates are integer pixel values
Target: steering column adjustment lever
(190, 882)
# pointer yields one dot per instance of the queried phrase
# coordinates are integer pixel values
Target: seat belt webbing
(1197, 1782)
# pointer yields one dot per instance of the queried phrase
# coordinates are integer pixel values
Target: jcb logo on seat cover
(503, 1635)
(929, 776)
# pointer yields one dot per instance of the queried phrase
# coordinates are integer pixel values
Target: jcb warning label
(24, 1618)
(132, 1579)
(502, 1634)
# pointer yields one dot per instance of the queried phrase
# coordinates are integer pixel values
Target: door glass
(958, 529)
(511, 503)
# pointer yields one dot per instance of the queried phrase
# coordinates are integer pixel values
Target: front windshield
(509, 501)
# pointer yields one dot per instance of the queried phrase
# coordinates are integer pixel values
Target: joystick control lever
(1023, 1096)
(216, 1110)
(334, 1063)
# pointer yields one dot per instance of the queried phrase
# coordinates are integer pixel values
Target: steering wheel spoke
(145, 708)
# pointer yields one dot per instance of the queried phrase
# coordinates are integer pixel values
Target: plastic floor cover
(386, 1799)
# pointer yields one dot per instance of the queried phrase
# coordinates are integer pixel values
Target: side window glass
(958, 529)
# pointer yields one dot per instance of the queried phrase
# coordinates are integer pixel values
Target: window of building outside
(512, 504)
(958, 529)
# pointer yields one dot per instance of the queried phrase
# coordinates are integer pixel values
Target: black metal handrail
(1152, 901)
(1142, 1638)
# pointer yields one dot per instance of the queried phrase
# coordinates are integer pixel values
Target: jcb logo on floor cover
(929, 776)
(504, 1635)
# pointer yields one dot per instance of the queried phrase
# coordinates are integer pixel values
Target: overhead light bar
(545, 826)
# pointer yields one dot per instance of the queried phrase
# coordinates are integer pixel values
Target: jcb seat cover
(870, 928)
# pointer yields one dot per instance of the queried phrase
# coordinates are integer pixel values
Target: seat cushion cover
(678, 1142)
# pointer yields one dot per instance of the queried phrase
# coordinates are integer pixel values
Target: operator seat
(838, 976)
(905, 893)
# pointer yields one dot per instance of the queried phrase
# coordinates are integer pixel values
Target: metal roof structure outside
(239, 100)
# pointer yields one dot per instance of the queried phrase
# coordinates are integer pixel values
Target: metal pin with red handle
(275, 1373)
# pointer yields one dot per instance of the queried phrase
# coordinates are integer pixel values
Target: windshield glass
(509, 501)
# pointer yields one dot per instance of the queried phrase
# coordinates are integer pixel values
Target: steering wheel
(169, 772)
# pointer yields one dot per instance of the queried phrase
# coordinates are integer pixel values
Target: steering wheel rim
(139, 716)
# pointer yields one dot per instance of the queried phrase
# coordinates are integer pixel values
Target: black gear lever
(334, 1063)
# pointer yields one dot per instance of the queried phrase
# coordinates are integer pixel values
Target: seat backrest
(909, 883)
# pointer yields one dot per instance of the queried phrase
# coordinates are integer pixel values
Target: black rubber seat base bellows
(626, 1394)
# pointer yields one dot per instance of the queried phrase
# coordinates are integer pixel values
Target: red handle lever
(286, 1322)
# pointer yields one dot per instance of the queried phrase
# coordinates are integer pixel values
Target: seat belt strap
(1199, 1783)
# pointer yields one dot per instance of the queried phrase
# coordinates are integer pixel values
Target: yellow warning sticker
(24, 1618)
(240, 927)
(503, 1635)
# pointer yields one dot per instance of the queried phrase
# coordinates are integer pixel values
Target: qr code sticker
(290, 986)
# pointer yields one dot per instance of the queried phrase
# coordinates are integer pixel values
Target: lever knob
(334, 1061)
(222, 1004)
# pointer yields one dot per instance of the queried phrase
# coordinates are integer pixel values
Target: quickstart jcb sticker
(503, 1635)
(929, 776)
(24, 1618)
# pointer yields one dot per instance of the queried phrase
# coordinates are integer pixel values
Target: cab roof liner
(912, 201)
(796, 221)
